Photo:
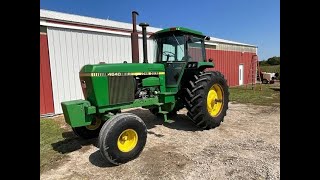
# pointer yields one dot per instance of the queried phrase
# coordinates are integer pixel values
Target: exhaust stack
(144, 34)
(134, 39)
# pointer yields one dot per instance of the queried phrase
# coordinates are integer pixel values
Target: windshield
(171, 48)
(195, 49)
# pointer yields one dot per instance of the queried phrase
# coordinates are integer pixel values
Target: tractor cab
(179, 49)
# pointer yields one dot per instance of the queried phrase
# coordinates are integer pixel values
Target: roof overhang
(71, 21)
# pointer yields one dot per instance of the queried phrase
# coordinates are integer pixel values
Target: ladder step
(163, 112)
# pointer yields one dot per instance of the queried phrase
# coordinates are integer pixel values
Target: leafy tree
(270, 61)
(263, 63)
(274, 60)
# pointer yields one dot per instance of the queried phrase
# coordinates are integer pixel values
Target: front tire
(122, 138)
(207, 98)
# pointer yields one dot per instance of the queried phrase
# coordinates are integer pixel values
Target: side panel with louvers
(121, 89)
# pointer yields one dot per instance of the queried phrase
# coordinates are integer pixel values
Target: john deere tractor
(177, 79)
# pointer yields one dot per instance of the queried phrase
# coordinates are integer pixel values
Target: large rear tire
(207, 98)
(122, 138)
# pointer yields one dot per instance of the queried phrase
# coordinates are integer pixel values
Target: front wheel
(122, 138)
(207, 99)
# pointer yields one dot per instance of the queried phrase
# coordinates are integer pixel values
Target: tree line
(275, 60)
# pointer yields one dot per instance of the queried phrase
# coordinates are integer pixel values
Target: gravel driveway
(245, 146)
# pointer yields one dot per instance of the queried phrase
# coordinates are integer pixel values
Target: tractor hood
(122, 68)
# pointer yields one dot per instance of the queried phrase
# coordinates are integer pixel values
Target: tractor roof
(179, 29)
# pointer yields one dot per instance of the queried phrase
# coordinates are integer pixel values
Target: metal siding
(244, 57)
(236, 67)
(101, 48)
(70, 50)
(151, 50)
(69, 56)
(64, 67)
(46, 99)
(233, 59)
(140, 50)
(247, 59)
(246, 68)
(227, 62)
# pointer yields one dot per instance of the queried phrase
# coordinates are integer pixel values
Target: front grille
(121, 89)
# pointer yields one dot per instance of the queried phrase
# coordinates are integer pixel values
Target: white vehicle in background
(268, 78)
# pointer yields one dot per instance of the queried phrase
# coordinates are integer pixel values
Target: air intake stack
(134, 39)
(144, 34)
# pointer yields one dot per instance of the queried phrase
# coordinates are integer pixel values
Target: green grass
(50, 133)
(271, 69)
(265, 97)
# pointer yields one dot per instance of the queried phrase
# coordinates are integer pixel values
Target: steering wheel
(168, 54)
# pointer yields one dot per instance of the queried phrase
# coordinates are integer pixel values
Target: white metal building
(67, 42)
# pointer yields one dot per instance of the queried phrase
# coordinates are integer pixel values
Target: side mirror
(210, 60)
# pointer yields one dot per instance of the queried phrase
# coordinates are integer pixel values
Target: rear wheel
(122, 138)
(90, 131)
(207, 98)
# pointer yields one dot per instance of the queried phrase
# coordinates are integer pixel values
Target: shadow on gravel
(98, 160)
(72, 143)
(181, 121)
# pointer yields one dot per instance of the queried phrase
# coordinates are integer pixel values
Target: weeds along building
(67, 42)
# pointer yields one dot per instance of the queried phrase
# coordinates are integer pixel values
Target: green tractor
(177, 79)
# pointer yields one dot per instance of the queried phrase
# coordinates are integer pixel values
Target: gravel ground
(245, 146)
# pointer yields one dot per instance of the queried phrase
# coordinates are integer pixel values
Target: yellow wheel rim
(127, 140)
(215, 100)
(95, 125)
